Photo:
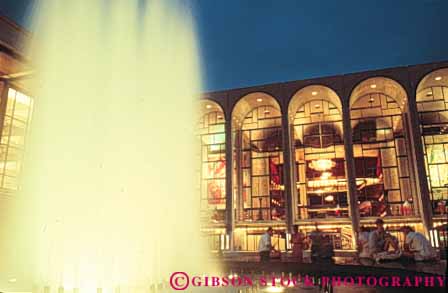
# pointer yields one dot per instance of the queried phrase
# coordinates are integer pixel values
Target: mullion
(433, 136)
(379, 148)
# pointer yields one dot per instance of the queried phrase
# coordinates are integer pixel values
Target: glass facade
(432, 106)
(380, 147)
(260, 163)
(15, 124)
(385, 176)
(213, 165)
(319, 161)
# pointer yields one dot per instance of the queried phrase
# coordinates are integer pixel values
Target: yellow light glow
(341, 183)
(437, 78)
(312, 226)
(11, 93)
(329, 198)
(105, 148)
(23, 99)
(373, 86)
(314, 93)
(271, 289)
(322, 164)
(325, 175)
(259, 100)
(208, 106)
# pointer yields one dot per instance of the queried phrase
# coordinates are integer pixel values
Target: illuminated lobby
(335, 153)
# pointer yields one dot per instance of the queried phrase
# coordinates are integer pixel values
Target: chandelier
(322, 164)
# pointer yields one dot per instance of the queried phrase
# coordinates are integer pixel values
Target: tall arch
(315, 116)
(211, 132)
(384, 181)
(258, 159)
(432, 107)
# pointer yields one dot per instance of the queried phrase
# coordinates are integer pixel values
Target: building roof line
(317, 78)
(13, 24)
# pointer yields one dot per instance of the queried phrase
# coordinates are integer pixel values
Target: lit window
(213, 166)
(258, 157)
(433, 115)
(15, 125)
(319, 157)
(380, 147)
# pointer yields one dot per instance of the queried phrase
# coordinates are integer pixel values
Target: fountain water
(109, 197)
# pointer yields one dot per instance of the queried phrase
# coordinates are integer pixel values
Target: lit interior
(432, 105)
(319, 154)
(381, 149)
(211, 131)
(258, 158)
(15, 125)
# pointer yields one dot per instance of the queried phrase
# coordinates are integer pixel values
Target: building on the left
(16, 104)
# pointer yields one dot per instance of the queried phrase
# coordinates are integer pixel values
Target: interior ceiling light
(329, 198)
(208, 106)
(322, 164)
(373, 86)
(259, 100)
(314, 93)
(438, 78)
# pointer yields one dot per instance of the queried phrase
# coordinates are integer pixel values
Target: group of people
(321, 246)
(375, 244)
(268, 251)
(380, 245)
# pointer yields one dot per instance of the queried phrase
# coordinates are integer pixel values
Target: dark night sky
(251, 42)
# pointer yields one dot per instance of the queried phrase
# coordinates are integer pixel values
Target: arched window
(258, 159)
(381, 149)
(213, 162)
(432, 106)
(318, 146)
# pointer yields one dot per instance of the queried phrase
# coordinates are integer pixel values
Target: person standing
(264, 245)
(297, 244)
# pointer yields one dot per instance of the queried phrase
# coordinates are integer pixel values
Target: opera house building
(332, 153)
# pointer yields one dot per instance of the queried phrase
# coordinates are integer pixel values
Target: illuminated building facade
(337, 152)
